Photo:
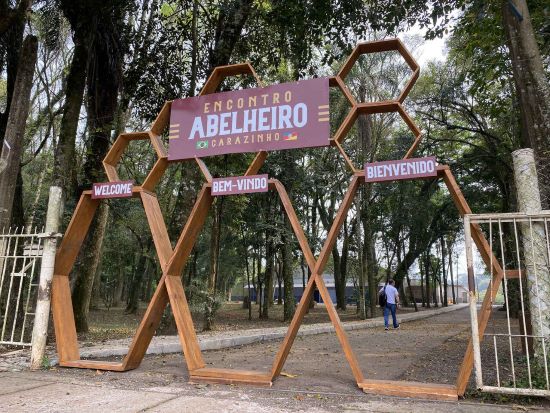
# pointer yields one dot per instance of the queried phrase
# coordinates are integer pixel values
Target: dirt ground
(115, 324)
(316, 370)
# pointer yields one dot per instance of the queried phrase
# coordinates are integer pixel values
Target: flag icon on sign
(290, 136)
(202, 145)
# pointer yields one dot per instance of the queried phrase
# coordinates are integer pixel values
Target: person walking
(392, 301)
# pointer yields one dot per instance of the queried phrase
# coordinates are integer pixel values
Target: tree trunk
(532, 87)
(64, 170)
(337, 271)
(82, 292)
(194, 48)
(135, 285)
(261, 289)
(119, 284)
(231, 21)
(289, 304)
(341, 299)
(12, 149)
(268, 277)
(422, 277)
(103, 83)
(534, 241)
(214, 257)
(13, 32)
(249, 285)
(438, 280)
(443, 274)
(280, 284)
(427, 272)
(413, 299)
(450, 251)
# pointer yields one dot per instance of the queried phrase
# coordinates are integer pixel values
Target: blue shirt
(391, 294)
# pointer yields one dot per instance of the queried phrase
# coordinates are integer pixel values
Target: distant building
(299, 289)
(461, 293)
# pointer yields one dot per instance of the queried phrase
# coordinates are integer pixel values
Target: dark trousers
(387, 309)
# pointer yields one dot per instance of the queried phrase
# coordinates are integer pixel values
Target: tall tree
(12, 149)
(103, 83)
(532, 87)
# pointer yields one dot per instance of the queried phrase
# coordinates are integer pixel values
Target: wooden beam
(292, 331)
(157, 227)
(489, 259)
(336, 225)
(93, 364)
(190, 231)
(295, 223)
(184, 323)
(74, 235)
(339, 328)
(147, 327)
(230, 376)
(256, 163)
(204, 169)
(410, 389)
(307, 295)
(63, 319)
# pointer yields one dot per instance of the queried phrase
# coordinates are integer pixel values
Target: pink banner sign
(120, 189)
(239, 185)
(284, 116)
(401, 169)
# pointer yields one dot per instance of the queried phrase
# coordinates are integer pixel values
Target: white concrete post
(535, 250)
(42, 311)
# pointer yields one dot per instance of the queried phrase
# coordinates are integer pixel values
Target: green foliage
(45, 363)
(466, 107)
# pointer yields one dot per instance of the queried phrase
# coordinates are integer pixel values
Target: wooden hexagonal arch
(174, 268)
(170, 288)
(65, 331)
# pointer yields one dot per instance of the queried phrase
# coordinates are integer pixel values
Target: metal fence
(20, 256)
(512, 355)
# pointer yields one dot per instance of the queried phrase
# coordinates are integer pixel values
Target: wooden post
(42, 311)
(534, 245)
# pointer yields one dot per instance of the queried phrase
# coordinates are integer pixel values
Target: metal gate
(511, 355)
(20, 257)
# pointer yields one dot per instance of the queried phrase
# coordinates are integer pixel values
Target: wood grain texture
(63, 319)
(332, 236)
(184, 323)
(147, 327)
(230, 376)
(346, 125)
(157, 227)
(339, 328)
(293, 328)
(256, 163)
(489, 259)
(410, 389)
(75, 233)
(347, 159)
(307, 295)
(155, 174)
(295, 223)
(163, 118)
(93, 364)
(190, 231)
(204, 169)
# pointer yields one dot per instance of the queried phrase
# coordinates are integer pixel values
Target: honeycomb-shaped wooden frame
(113, 157)
(170, 288)
(375, 107)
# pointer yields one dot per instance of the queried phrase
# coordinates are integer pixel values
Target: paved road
(319, 379)
(33, 392)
